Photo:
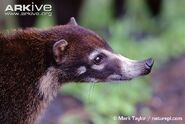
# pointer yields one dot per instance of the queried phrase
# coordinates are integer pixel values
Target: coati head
(84, 56)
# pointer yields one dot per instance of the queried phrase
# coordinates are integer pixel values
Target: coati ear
(72, 21)
(58, 48)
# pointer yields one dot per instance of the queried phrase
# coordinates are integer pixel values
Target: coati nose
(149, 63)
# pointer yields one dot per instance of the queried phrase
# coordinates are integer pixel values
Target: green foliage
(72, 119)
(42, 23)
(96, 13)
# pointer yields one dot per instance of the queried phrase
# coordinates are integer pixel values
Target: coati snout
(34, 63)
(91, 59)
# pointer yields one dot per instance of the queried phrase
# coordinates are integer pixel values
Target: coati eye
(98, 59)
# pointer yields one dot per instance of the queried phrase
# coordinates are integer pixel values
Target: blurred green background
(164, 39)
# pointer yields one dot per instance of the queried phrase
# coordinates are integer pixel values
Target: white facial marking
(81, 70)
(48, 84)
(98, 67)
(108, 53)
(93, 54)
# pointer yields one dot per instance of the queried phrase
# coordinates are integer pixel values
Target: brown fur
(25, 57)
(34, 63)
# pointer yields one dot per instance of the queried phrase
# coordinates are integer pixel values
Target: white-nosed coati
(35, 63)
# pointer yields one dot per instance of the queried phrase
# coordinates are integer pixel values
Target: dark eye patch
(99, 59)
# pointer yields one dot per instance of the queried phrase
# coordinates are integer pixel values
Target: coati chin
(34, 63)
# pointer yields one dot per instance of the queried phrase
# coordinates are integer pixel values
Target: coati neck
(27, 54)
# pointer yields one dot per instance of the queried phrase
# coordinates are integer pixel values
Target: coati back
(35, 63)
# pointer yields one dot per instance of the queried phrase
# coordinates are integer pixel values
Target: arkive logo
(29, 9)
